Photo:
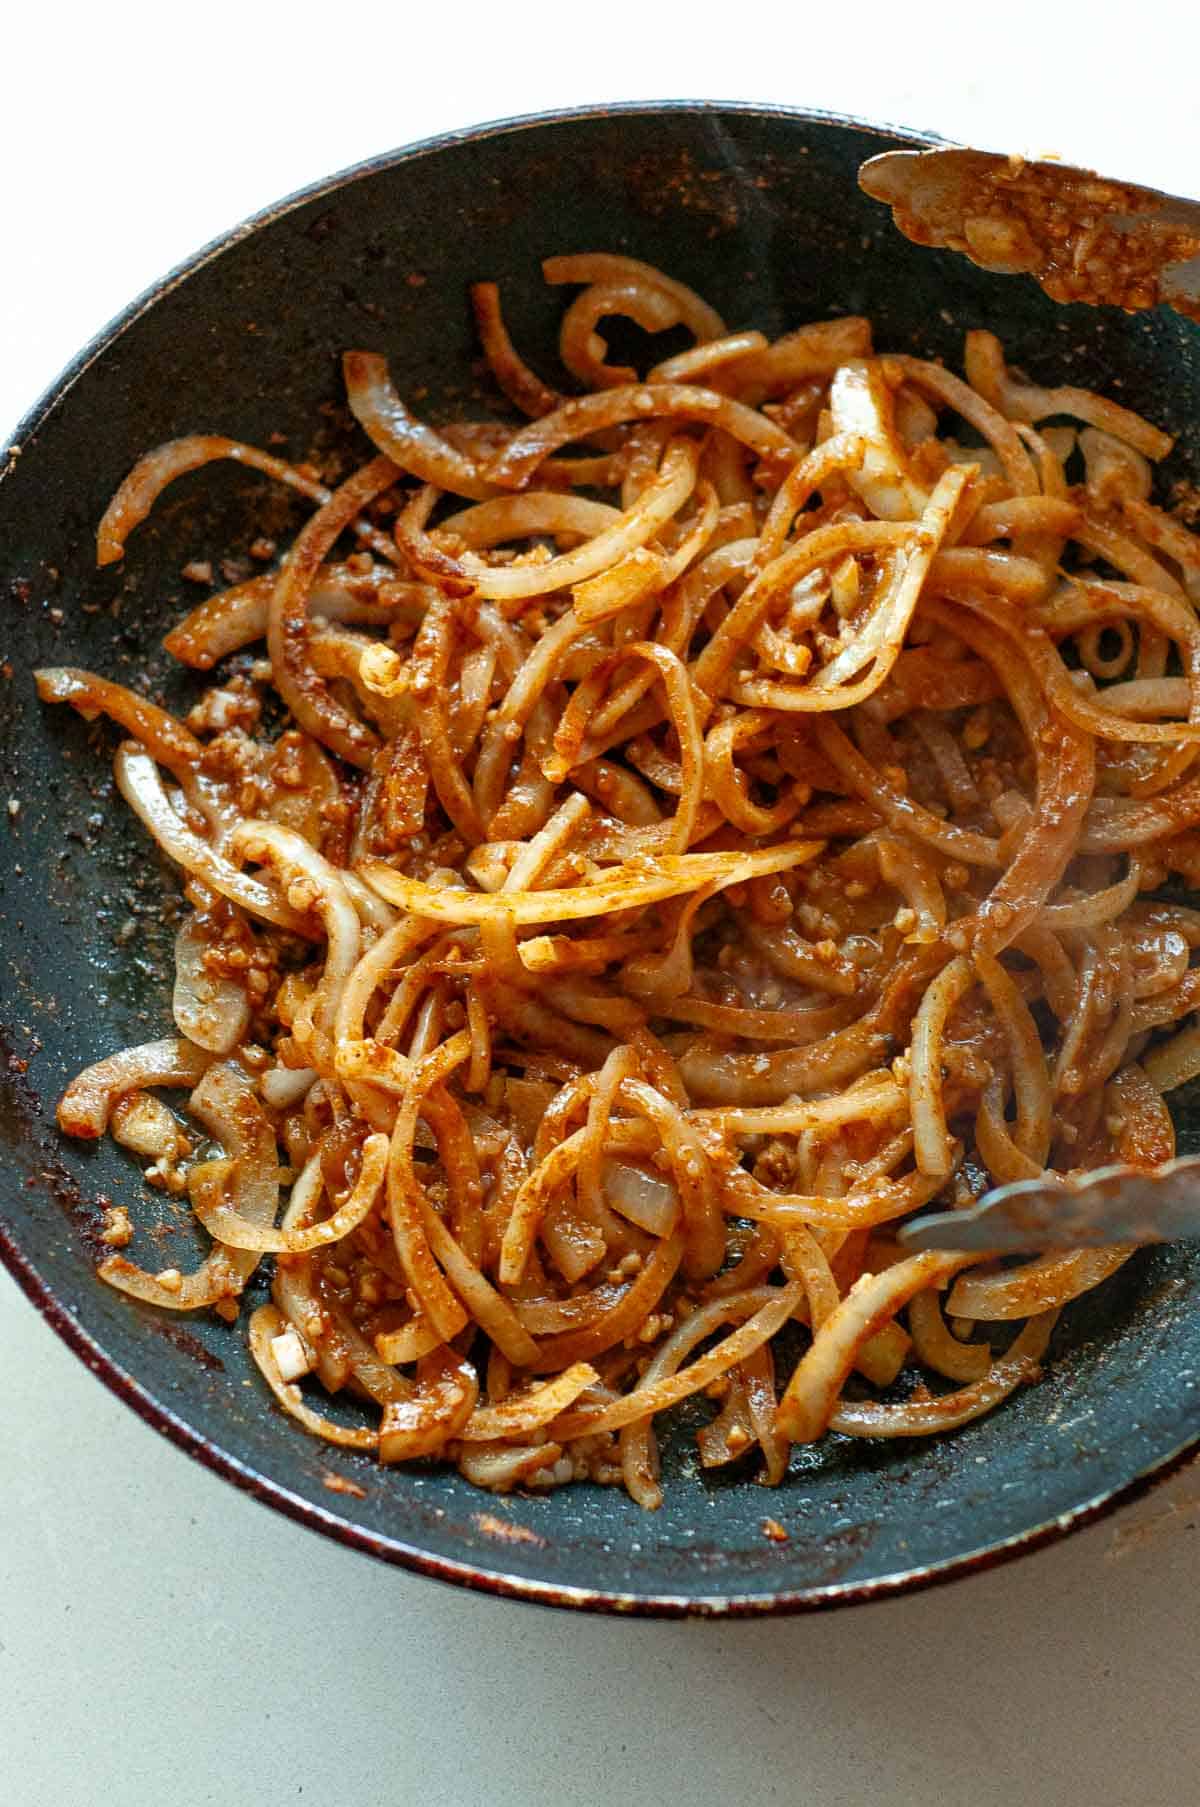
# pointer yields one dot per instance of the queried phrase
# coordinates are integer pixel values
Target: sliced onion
(581, 347)
(289, 630)
(298, 863)
(1175, 1062)
(283, 1087)
(989, 372)
(861, 406)
(655, 1396)
(225, 1103)
(445, 1398)
(265, 1325)
(926, 1417)
(618, 1320)
(936, 1345)
(643, 1196)
(1043, 1284)
(212, 1012)
(151, 475)
(875, 1097)
(237, 617)
(85, 1106)
(500, 1467)
(522, 387)
(586, 414)
(520, 517)
(658, 503)
(141, 1122)
(167, 739)
(702, 321)
(408, 1344)
(142, 788)
(812, 1391)
(210, 1189)
(522, 1413)
(810, 352)
(398, 434)
(618, 888)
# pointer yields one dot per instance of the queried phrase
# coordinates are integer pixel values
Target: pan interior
(760, 211)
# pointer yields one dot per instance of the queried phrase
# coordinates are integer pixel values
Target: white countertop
(162, 1636)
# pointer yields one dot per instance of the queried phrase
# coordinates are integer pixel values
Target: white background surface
(164, 1638)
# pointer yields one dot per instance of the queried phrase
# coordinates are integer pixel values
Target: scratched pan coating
(758, 209)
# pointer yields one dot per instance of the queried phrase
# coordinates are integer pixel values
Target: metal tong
(1112, 1205)
(1082, 236)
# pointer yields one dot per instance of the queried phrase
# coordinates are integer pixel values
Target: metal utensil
(1114, 1204)
(1082, 236)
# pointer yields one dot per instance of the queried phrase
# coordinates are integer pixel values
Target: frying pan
(759, 209)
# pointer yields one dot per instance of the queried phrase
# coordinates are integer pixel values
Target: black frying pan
(759, 210)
